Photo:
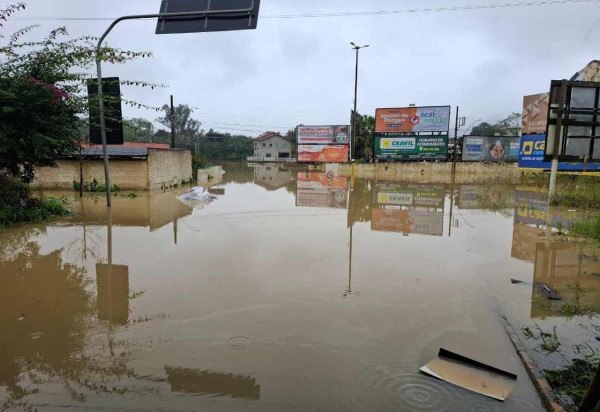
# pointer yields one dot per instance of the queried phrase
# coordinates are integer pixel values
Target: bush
(18, 205)
(588, 229)
(94, 187)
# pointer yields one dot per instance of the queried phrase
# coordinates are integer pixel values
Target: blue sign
(531, 156)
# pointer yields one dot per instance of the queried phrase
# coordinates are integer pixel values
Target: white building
(272, 147)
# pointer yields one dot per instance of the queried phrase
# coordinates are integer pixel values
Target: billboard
(323, 134)
(491, 149)
(535, 113)
(413, 119)
(406, 147)
(531, 156)
(322, 153)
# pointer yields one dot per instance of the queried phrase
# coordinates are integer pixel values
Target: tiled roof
(268, 135)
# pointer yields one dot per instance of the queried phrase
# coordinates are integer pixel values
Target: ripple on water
(407, 391)
(238, 342)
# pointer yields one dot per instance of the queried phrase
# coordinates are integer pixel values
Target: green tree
(187, 129)
(363, 145)
(483, 129)
(509, 126)
(43, 95)
(138, 130)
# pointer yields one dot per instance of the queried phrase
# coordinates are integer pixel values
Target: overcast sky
(301, 70)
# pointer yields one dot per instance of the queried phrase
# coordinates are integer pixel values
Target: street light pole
(352, 143)
(186, 14)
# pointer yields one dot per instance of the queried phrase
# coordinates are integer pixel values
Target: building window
(270, 144)
(264, 144)
(268, 155)
(284, 155)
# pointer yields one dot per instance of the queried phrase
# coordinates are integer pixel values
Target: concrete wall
(160, 168)
(127, 174)
(272, 146)
(210, 176)
(420, 172)
(168, 167)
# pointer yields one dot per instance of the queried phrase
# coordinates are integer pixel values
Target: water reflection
(408, 208)
(258, 263)
(320, 189)
(571, 268)
(202, 382)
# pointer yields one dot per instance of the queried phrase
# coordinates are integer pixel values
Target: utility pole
(558, 134)
(455, 136)
(353, 139)
(172, 124)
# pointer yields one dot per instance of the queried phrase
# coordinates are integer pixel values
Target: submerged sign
(411, 147)
(413, 119)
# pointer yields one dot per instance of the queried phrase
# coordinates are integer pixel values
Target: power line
(356, 13)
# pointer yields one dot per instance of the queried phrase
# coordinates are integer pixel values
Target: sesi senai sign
(411, 147)
(413, 119)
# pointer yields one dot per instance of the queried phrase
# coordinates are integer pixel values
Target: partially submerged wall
(422, 172)
(168, 167)
(210, 176)
(161, 168)
(127, 174)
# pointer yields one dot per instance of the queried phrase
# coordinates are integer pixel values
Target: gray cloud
(301, 70)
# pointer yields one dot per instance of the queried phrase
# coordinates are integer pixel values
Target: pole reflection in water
(112, 283)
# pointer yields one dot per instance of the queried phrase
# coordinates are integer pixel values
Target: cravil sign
(531, 156)
(411, 147)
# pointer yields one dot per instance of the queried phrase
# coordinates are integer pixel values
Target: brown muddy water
(291, 291)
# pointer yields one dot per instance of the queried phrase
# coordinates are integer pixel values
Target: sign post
(185, 17)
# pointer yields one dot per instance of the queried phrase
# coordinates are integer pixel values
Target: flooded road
(290, 291)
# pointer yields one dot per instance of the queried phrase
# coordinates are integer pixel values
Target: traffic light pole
(99, 69)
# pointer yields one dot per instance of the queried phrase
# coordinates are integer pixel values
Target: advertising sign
(408, 221)
(535, 113)
(531, 156)
(426, 196)
(323, 153)
(405, 147)
(323, 134)
(494, 149)
(413, 119)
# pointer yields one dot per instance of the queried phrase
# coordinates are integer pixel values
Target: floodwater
(291, 291)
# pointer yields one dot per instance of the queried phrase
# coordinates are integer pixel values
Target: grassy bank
(581, 192)
(17, 204)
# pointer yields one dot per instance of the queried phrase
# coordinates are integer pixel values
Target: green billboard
(411, 147)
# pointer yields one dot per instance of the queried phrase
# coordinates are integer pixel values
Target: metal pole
(99, 69)
(455, 146)
(102, 125)
(557, 139)
(172, 124)
(353, 145)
